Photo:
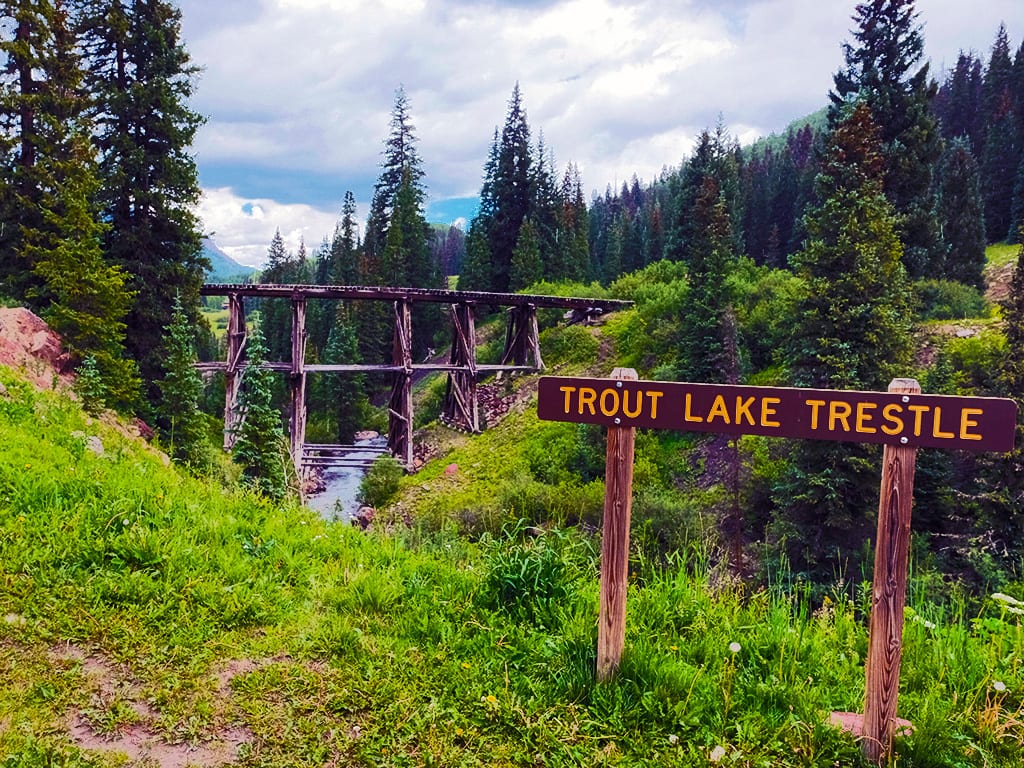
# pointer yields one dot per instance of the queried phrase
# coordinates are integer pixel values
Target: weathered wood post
(232, 372)
(297, 384)
(460, 397)
(889, 591)
(522, 337)
(618, 505)
(400, 405)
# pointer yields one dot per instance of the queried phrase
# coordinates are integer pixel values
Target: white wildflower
(999, 685)
(717, 754)
(734, 647)
(1000, 597)
(673, 739)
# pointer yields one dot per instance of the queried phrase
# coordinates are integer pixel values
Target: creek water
(337, 501)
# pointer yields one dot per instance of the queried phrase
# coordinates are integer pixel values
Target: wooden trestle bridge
(521, 355)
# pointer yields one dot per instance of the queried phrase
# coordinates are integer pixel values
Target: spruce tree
(880, 70)
(54, 257)
(141, 78)
(509, 191)
(260, 446)
(961, 216)
(181, 421)
(527, 266)
(705, 335)
(853, 332)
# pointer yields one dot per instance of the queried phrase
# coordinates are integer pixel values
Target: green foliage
(89, 386)
(950, 300)
(259, 446)
(569, 344)
(380, 485)
(184, 425)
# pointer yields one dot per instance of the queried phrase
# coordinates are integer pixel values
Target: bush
(950, 300)
(381, 483)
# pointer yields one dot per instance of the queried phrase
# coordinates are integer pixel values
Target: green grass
(125, 583)
(1001, 254)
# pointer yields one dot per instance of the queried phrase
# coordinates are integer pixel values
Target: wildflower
(1000, 597)
(717, 754)
(1016, 611)
(465, 665)
(673, 739)
(28, 466)
(673, 647)
(492, 699)
(734, 647)
(999, 685)
(21, 518)
(126, 521)
(459, 731)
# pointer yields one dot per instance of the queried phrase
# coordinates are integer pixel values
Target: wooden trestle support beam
(297, 384)
(400, 405)
(522, 339)
(233, 372)
(460, 399)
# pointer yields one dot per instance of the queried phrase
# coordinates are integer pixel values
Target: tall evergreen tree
(53, 255)
(527, 265)
(961, 215)
(260, 446)
(879, 69)
(958, 103)
(182, 423)
(141, 77)
(705, 332)
(853, 332)
(509, 191)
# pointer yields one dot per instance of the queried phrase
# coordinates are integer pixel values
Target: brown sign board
(919, 421)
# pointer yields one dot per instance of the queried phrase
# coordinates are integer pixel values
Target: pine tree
(879, 70)
(260, 443)
(1017, 208)
(853, 332)
(509, 191)
(704, 337)
(958, 103)
(141, 77)
(182, 422)
(961, 216)
(476, 270)
(54, 258)
(527, 266)
(999, 171)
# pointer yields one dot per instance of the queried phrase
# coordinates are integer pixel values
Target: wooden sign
(916, 420)
(902, 419)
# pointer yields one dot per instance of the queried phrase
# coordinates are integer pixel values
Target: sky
(297, 94)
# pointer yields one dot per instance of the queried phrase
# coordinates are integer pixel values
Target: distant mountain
(225, 269)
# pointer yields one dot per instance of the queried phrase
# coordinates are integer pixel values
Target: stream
(337, 501)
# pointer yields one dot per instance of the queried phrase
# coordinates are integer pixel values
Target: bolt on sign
(902, 419)
(920, 421)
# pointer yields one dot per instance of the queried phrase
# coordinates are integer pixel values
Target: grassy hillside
(150, 618)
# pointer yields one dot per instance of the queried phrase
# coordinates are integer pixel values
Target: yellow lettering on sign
(936, 432)
(815, 405)
(839, 411)
(588, 397)
(654, 403)
(687, 415)
(719, 409)
(919, 411)
(639, 404)
(891, 413)
(568, 396)
(767, 410)
(743, 410)
(863, 417)
(966, 422)
(612, 409)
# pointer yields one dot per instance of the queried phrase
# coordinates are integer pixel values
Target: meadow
(145, 607)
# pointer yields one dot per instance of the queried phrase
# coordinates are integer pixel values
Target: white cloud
(243, 227)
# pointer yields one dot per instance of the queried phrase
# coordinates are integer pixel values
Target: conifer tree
(54, 257)
(141, 78)
(182, 422)
(705, 333)
(260, 443)
(961, 216)
(853, 332)
(509, 191)
(527, 267)
(879, 69)
(476, 270)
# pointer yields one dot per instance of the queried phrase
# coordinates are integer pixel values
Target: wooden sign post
(901, 419)
(618, 504)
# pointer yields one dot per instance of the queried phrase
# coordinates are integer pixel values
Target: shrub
(381, 483)
(950, 300)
